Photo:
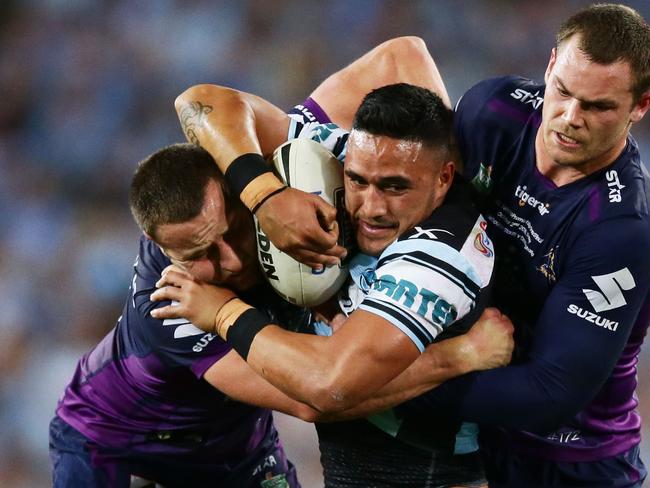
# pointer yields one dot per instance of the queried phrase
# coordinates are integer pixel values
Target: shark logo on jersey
(526, 199)
(366, 279)
(614, 186)
(526, 97)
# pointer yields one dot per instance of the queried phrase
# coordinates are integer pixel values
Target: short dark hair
(610, 33)
(168, 186)
(408, 112)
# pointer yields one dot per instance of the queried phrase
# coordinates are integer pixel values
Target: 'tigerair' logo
(526, 199)
(424, 302)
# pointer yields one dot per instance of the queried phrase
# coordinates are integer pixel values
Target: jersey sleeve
(487, 119)
(176, 342)
(329, 135)
(422, 285)
(580, 335)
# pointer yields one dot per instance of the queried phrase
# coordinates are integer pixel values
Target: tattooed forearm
(192, 116)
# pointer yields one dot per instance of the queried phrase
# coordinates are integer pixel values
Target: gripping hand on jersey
(198, 302)
(302, 225)
(489, 341)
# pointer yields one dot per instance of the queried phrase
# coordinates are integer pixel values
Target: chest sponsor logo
(614, 186)
(526, 199)
(527, 97)
(424, 302)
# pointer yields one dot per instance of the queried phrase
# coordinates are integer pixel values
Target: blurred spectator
(88, 90)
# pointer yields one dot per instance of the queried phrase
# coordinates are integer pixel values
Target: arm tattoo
(191, 116)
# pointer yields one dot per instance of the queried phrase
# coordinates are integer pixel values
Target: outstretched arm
(576, 352)
(399, 60)
(328, 373)
(487, 345)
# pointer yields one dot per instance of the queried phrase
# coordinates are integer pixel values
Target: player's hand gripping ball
(306, 165)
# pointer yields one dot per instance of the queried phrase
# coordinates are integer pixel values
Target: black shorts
(357, 454)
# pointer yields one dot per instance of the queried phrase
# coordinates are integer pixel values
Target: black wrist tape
(241, 333)
(245, 169)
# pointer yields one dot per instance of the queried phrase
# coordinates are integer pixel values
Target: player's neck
(563, 174)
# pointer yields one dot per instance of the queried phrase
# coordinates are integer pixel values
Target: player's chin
(372, 246)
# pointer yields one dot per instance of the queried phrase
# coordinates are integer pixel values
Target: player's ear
(640, 107)
(447, 172)
(551, 63)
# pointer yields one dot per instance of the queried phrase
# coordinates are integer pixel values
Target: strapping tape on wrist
(251, 178)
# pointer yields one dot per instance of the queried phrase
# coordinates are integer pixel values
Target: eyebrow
(385, 181)
(191, 254)
(599, 102)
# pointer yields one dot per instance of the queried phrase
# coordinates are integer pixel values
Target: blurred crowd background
(87, 91)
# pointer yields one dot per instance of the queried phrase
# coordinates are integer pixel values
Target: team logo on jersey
(614, 186)
(527, 199)
(366, 279)
(548, 268)
(527, 97)
(482, 182)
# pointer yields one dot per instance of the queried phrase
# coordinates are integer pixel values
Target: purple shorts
(78, 462)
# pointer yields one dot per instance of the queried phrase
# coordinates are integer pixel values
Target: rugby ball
(306, 165)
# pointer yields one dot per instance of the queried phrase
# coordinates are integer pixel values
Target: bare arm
(327, 373)
(234, 377)
(399, 60)
(487, 345)
(228, 124)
